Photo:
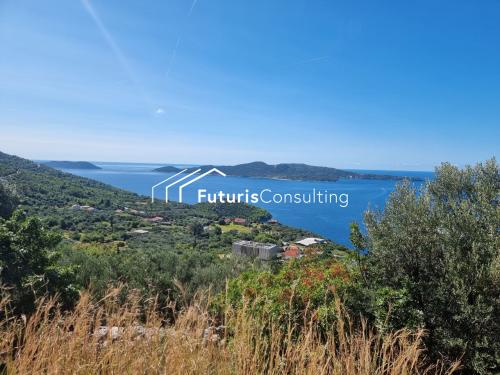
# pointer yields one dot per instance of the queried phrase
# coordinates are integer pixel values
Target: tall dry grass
(81, 342)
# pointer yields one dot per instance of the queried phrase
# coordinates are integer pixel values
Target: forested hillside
(289, 171)
(111, 235)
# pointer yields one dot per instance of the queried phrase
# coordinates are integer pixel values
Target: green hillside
(71, 164)
(113, 235)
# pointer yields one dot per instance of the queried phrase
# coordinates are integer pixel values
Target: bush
(27, 263)
(440, 249)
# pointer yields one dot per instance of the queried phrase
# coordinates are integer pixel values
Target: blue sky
(350, 84)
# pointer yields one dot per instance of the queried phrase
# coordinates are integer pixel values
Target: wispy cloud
(160, 111)
(109, 39)
(172, 57)
(312, 60)
(117, 52)
(193, 4)
(178, 42)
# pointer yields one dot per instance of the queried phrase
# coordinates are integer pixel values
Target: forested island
(71, 164)
(287, 171)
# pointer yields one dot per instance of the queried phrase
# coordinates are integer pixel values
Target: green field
(236, 227)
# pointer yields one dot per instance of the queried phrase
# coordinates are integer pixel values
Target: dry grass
(51, 342)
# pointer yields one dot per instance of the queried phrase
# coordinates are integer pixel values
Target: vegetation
(99, 242)
(429, 261)
(236, 227)
(71, 165)
(115, 337)
(440, 249)
(418, 293)
(288, 171)
(28, 266)
(7, 203)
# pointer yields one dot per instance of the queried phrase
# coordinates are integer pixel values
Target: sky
(348, 84)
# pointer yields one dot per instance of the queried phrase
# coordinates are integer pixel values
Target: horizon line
(359, 168)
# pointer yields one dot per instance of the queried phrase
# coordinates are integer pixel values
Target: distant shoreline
(289, 171)
(71, 164)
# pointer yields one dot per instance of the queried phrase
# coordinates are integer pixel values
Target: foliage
(289, 171)
(101, 244)
(118, 337)
(7, 203)
(245, 211)
(440, 249)
(301, 289)
(27, 263)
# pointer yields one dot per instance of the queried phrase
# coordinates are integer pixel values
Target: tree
(197, 231)
(359, 242)
(441, 247)
(27, 263)
(7, 203)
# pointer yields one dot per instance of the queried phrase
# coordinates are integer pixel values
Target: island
(287, 171)
(168, 169)
(71, 165)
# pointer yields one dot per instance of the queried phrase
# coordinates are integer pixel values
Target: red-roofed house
(291, 252)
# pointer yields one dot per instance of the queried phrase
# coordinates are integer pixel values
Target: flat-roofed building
(310, 241)
(264, 251)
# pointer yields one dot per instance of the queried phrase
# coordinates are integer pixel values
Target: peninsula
(71, 165)
(288, 171)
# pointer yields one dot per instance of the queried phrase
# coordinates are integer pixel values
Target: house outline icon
(181, 188)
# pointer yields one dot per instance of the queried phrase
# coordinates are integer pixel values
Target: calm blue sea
(328, 220)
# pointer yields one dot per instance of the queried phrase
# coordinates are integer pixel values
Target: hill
(288, 171)
(71, 165)
(111, 235)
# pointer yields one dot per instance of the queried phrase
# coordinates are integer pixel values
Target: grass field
(136, 341)
(236, 227)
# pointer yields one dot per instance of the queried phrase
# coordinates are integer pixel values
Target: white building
(310, 241)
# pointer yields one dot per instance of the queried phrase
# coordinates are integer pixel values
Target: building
(291, 251)
(310, 241)
(140, 231)
(156, 219)
(264, 251)
(240, 221)
(82, 208)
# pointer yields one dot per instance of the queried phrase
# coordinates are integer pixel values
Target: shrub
(441, 249)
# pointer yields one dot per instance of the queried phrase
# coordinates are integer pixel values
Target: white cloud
(160, 111)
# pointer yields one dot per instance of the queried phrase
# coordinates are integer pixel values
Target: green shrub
(441, 248)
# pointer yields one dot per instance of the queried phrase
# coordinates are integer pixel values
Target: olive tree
(440, 245)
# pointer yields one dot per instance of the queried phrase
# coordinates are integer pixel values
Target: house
(83, 208)
(140, 231)
(156, 219)
(310, 241)
(240, 221)
(227, 220)
(272, 221)
(291, 252)
(264, 251)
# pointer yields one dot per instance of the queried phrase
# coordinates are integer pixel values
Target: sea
(328, 219)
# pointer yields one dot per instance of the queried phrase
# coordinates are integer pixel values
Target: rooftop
(310, 241)
(255, 244)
